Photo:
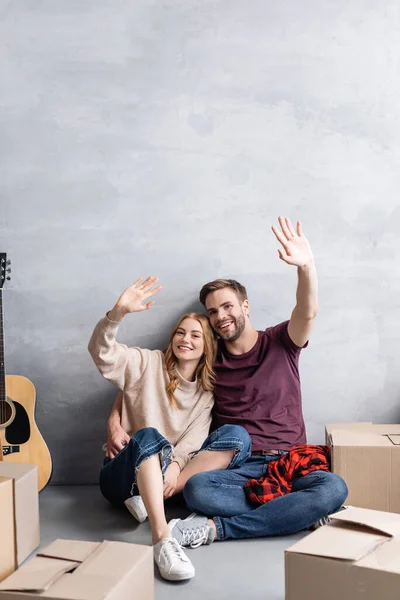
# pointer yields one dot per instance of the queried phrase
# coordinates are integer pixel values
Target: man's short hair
(220, 284)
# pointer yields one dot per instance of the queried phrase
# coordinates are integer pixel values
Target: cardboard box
(356, 556)
(367, 456)
(76, 570)
(19, 514)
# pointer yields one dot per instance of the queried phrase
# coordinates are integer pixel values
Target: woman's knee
(233, 431)
(147, 435)
(235, 434)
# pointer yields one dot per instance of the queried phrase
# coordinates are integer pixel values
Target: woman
(160, 419)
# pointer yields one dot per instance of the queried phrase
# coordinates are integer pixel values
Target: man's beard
(239, 324)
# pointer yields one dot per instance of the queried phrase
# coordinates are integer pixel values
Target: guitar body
(20, 438)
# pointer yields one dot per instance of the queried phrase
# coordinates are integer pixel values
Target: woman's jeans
(118, 475)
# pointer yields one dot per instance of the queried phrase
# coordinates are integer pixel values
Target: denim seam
(232, 443)
(219, 528)
(149, 448)
(232, 486)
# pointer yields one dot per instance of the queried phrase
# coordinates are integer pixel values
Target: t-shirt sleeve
(280, 334)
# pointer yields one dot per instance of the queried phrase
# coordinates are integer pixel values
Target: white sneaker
(171, 560)
(136, 508)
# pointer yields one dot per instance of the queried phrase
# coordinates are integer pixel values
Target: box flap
(102, 572)
(352, 534)
(362, 426)
(114, 558)
(37, 575)
(382, 522)
(365, 434)
(75, 550)
(349, 437)
(394, 438)
(386, 428)
(344, 541)
(385, 558)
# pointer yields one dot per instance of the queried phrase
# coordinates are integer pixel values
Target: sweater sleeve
(119, 364)
(193, 437)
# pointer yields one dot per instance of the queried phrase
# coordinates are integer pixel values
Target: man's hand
(171, 479)
(116, 440)
(132, 299)
(296, 248)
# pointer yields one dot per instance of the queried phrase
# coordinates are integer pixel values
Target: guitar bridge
(10, 450)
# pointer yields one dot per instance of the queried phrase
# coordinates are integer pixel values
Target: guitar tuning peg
(8, 262)
(8, 278)
(8, 270)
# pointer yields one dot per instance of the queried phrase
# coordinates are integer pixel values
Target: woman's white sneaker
(171, 560)
(137, 508)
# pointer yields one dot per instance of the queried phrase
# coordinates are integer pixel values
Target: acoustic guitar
(20, 438)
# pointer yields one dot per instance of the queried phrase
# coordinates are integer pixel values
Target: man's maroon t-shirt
(260, 390)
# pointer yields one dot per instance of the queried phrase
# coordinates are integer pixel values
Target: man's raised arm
(296, 251)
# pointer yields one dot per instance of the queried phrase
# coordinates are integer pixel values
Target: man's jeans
(220, 495)
(118, 475)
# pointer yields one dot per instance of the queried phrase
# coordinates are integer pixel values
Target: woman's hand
(131, 300)
(117, 439)
(171, 479)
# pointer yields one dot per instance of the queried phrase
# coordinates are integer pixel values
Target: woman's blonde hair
(204, 372)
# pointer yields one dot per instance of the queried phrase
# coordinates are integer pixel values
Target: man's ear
(246, 307)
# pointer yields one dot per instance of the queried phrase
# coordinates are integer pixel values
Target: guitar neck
(2, 358)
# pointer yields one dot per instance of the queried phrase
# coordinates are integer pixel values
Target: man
(258, 388)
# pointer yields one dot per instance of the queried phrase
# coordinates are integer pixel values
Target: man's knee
(332, 490)
(338, 489)
(196, 492)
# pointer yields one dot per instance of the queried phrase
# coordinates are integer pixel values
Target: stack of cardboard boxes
(354, 557)
(357, 555)
(66, 569)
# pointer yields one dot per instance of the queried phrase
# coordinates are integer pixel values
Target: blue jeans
(118, 475)
(220, 495)
(230, 437)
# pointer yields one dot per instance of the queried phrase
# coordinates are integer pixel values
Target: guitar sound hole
(20, 430)
(5, 412)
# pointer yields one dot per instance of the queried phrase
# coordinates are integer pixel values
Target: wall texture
(165, 137)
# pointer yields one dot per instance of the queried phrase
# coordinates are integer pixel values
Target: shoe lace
(174, 550)
(195, 537)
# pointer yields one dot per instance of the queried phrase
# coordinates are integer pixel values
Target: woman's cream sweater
(142, 376)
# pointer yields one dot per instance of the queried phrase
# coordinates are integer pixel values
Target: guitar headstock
(4, 268)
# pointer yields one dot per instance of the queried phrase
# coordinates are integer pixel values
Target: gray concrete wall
(165, 138)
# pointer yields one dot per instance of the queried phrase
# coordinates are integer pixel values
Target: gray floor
(232, 570)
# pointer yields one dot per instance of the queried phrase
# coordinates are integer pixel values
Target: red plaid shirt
(278, 478)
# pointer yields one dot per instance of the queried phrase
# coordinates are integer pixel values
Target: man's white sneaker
(136, 508)
(171, 560)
